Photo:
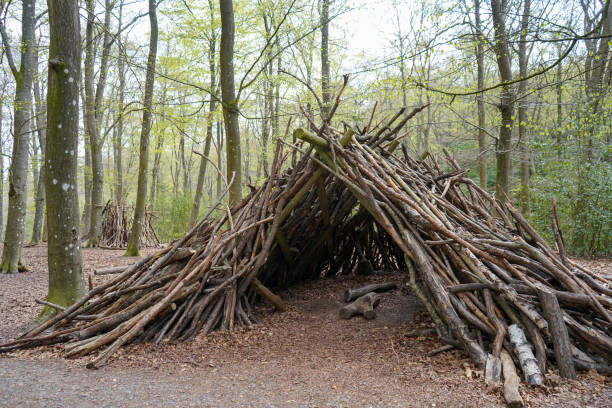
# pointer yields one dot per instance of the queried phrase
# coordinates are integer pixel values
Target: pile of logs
(117, 223)
(491, 284)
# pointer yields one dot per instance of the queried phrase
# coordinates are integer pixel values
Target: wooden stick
(111, 271)
(511, 381)
(558, 333)
(364, 306)
(268, 295)
(351, 294)
(529, 364)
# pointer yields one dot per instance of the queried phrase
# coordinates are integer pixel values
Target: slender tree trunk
(559, 91)
(184, 164)
(155, 171)
(522, 110)
(94, 115)
(195, 208)
(1, 174)
(18, 175)
(265, 126)
(157, 156)
(133, 247)
(219, 158)
(276, 111)
(34, 156)
(89, 118)
(247, 162)
(86, 216)
(268, 108)
(118, 134)
(41, 125)
(212, 106)
(230, 104)
(506, 106)
(325, 90)
(65, 270)
(482, 158)
(427, 128)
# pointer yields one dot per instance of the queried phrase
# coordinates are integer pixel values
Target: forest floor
(303, 357)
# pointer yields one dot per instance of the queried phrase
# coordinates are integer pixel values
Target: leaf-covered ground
(303, 357)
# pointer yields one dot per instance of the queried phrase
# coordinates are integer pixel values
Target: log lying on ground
(475, 262)
(111, 271)
(493, 371)
(351, 294)
(529, 364)
(363, 306)
(558, 333)
(511, 382)
(264, 292)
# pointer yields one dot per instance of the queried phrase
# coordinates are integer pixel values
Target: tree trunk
(506, 106)
(1, 175)
(86, 216)
(94, 115)
(219, 158)
(133, 247)
(276, 111)
(268, 95)
(155, 171)
(18, 175)
(230, 104)
(65, 270)
(325, 91)
(118, 134)
(559, 91)
(482, 158)
(157, 156)
(183, 162)
(89, 116)
(195, 209)
(41, 125)
(522, 110)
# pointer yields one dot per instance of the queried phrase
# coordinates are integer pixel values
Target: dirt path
(304, 357)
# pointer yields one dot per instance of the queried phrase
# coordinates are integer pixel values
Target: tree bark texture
(325, 90)
(18, 175)
(94, 113)
(506, 105)
(197, 199)
(1, 176)
(230, 104)
(41, 125)
(482, 158)
(522, 109)
(66, 284)
(141, 195)
(118, 134)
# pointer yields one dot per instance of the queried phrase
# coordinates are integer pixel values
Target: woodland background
(439, 53)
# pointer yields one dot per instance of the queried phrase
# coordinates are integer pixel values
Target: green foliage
(172, 214)
(578, 175)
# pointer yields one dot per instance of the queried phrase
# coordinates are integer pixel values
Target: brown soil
(303, 357)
